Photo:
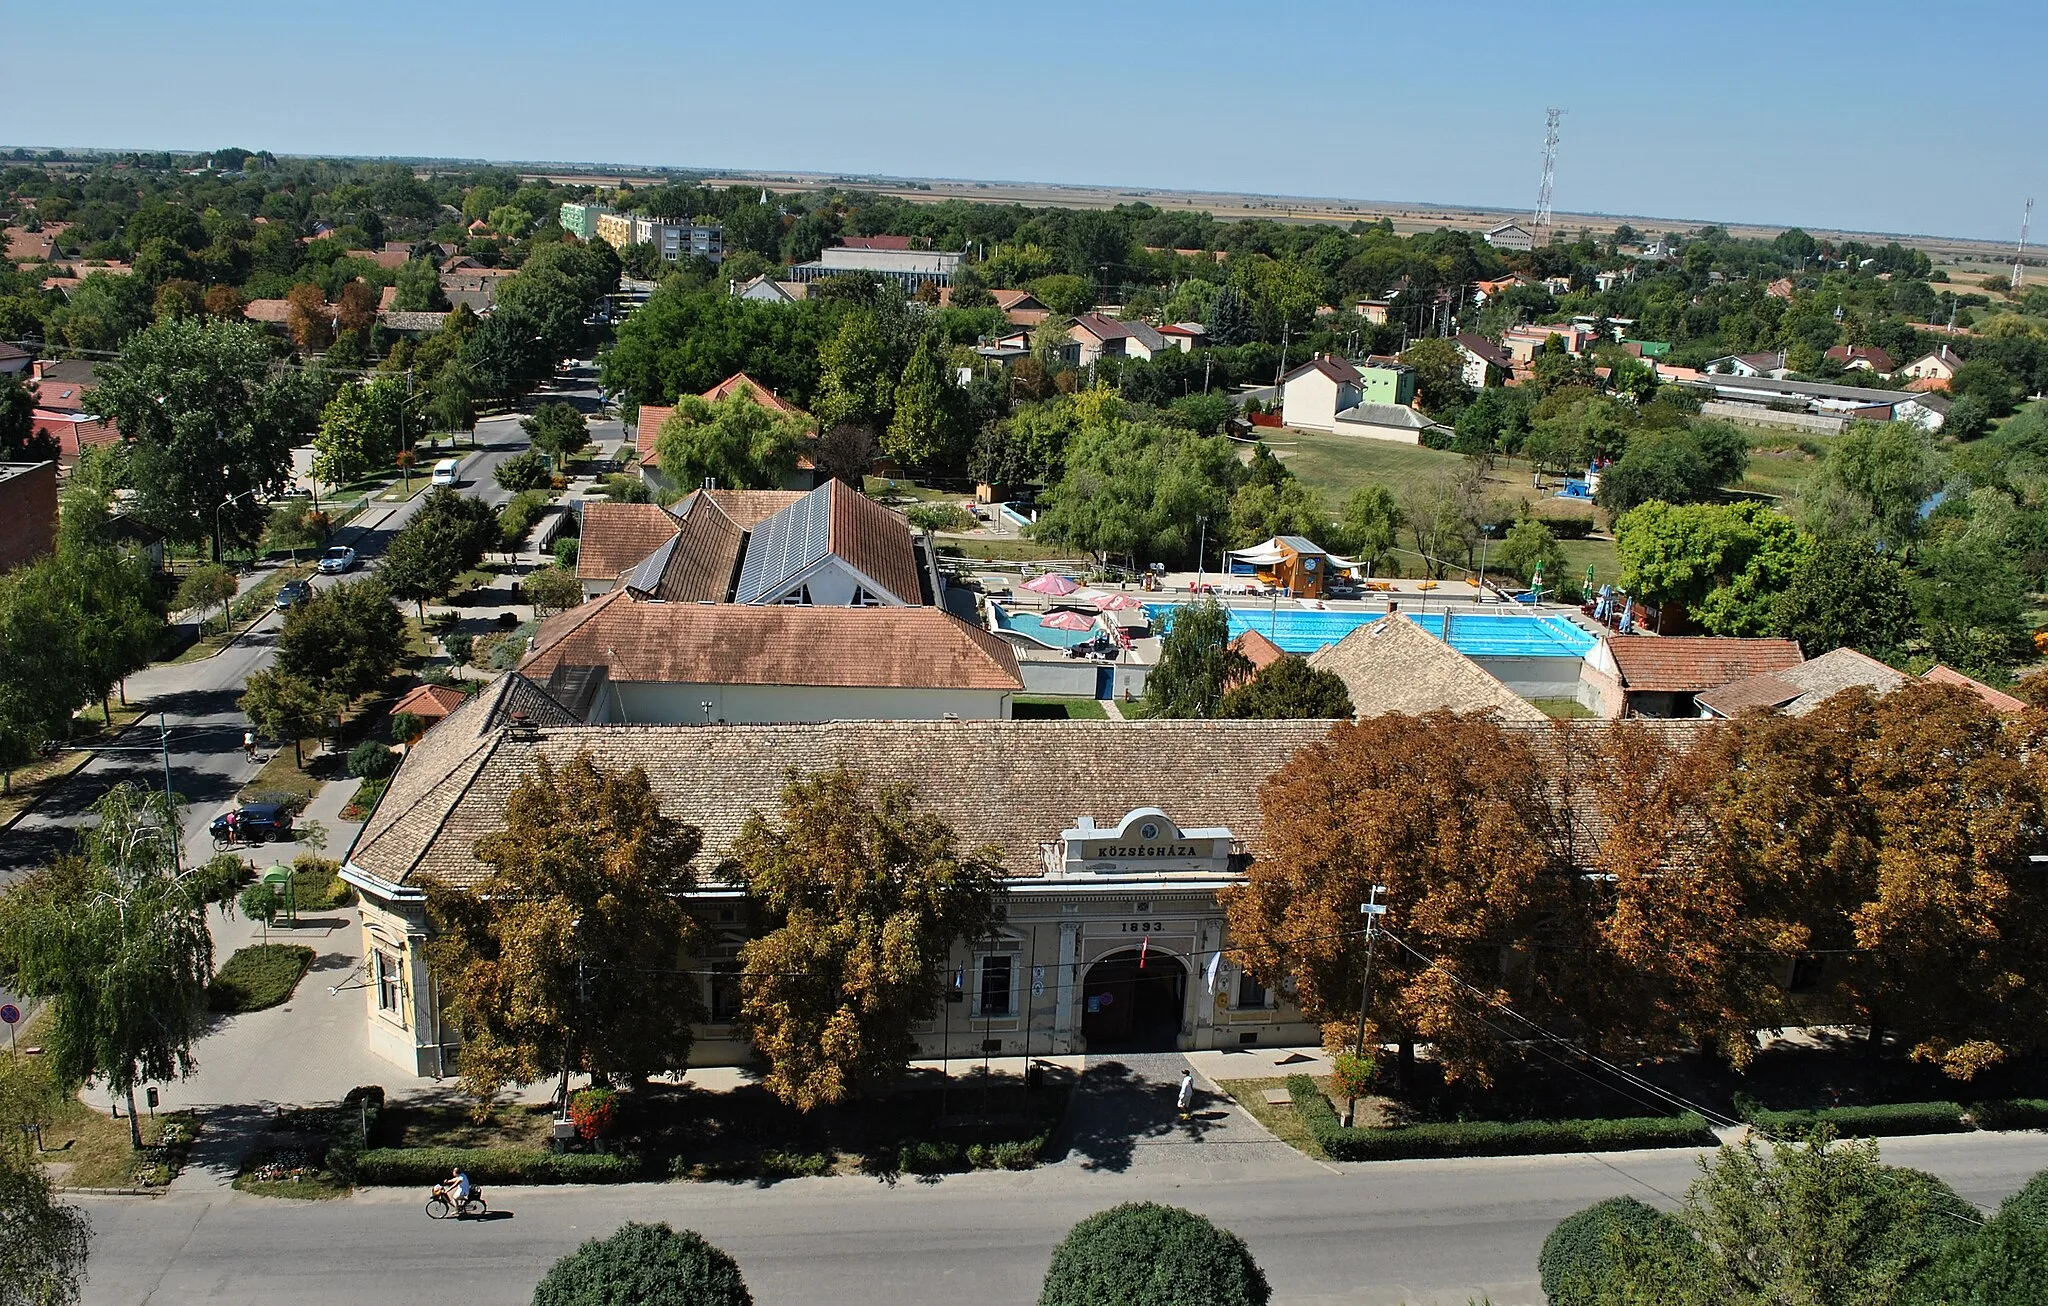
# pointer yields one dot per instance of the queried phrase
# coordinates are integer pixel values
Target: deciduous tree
(1197, 664)
(285, 706)
(1845, 594)
(737, 442)
(563, 955)
(1288, 689)
(557, 430)
(42, 1260)
(345, 640)
(865, 895)
(116, 940)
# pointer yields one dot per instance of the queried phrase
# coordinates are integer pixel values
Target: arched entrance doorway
(1128, 1007)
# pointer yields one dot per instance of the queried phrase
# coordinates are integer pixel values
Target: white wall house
(1313, 394)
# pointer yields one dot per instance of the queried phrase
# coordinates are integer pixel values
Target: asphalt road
(1396, 1232)
(197, 699)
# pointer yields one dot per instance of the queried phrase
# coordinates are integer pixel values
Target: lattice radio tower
(2019, 255)
(1542, 220)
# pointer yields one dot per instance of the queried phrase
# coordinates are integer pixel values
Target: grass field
(1780, 462)
(1041, 707)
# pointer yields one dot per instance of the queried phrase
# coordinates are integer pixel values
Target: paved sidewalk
(1124, 1118)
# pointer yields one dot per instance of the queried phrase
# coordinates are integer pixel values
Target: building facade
(1115, 838)
(674, 241)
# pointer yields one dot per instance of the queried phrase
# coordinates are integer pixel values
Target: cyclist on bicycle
(459, 1188)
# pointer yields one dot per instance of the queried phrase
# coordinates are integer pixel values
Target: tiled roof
(1394, 665)
(1487, 350)
(267, 310)
(387, 258)
(701, 563)
(650, 421)
(1337, 369)
(834, 519)
(430, 701)
(1258, 650)
(726, 644)
(1108, 328)
(615, 537)
(1012, 785)
(1690, 663)
(1879, 360)
(762, 395)
(1797, 690)
(749, 508)
(411, 319)
(1998, 700)
(1398, 416)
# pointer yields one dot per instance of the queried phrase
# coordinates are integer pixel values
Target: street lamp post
(219, 548)
(1485, 538)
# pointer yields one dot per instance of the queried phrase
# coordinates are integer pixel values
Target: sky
(1882, 116)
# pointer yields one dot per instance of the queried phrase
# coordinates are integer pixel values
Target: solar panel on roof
(785, 544)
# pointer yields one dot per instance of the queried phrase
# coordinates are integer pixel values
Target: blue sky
(1883, 116)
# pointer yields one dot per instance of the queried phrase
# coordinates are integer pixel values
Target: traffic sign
(10, 1013)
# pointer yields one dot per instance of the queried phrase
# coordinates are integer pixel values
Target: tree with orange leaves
(1450, 813)
(357, 308)
(309, 317)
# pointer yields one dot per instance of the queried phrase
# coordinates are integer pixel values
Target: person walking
(249, 744)
(1186, 1100)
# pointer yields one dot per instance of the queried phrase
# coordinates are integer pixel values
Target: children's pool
(1479, 635)
(1027, 624)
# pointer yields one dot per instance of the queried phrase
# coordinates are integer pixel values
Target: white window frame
(387, 969)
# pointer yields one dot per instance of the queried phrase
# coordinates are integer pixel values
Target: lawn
(282, 774)
(1280, 1121)
(1781, 462)
(878, 487)
(1002, 550)
(1047, 708)
(88, 1148)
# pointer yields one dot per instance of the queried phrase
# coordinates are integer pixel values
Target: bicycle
(440, 1206)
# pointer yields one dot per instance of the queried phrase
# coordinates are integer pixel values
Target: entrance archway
(1128, 1007)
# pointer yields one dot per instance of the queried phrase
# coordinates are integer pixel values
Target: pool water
(1026, 623)
(1479, 635)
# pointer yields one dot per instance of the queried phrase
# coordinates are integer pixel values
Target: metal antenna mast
(1542, 222)
(2019, 255)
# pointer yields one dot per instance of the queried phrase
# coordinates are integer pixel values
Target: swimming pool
(1027, 624)
(1479, 635)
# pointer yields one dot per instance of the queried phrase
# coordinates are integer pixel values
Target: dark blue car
(253, 823)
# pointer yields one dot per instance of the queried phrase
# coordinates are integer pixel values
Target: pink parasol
(1119, 602)
(1055, 585)
(1066, 621)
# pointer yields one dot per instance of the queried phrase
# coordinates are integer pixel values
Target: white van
(444, 471)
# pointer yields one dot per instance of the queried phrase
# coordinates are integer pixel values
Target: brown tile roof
(1879, 360)
(388, 258)
(430, 702)
(1797, 690)
(1337, 369)
(874, 539)
(728, 644)
(1010, 784)
(1997, 700)
(1690, 663)
(1394, 665)
(1487, 350)
(617, 536)
(700, 564)
(749, 508)
(267, 310)
(386, 298)
(763, 396)
(650, 422)
(1258, 650)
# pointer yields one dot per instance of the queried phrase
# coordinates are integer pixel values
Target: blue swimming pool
(1026, 623)
(1479, 635)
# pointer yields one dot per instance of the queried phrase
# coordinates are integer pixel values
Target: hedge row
(1866, 1121)
(1487, 1137)
(407, 1166)
(1569, 528)
(2011, 1113)
(259, 976)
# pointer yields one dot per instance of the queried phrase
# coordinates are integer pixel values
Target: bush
(371, 760)
(1865, 1121)
(259, 976)
(523, 471)
(566, 551)
(1353, 1075)
(795, 1165)
(931, 1158)
(410, 1166)
(1438, 438)
(1145, 1254)
(595, 1111)
(1020, 1155)
(317, 884)
(459, 647)
(1569, 528)
(1583, 1258)
(1487, 1137)
(646, 1265)
(2011, 1113)
(355, 1124)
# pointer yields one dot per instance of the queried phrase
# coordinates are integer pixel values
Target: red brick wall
(28, 515)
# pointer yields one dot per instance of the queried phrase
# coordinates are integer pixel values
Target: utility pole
(1372, 910)
(2019, 275)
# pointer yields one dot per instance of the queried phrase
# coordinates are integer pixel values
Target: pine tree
(1229, 322)
(926, 425)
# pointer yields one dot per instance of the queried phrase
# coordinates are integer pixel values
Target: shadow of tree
(1118, 1104)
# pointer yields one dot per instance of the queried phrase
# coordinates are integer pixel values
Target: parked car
(293, 594)
(253, 823)
(336, 560)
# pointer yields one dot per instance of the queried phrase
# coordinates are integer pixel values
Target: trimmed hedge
(1866, 1121)
(2011, 1113)
(648, 1264)
(1569, 528)
(355, 1124)
(1583, 1260)
(411, 1166)
(1145, 1254)
(1487, 1137)
(259, 976)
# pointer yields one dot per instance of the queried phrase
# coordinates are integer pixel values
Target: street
(197, 699)
(1391, 1232)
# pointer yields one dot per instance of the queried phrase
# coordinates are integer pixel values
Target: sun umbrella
(1119, 602)
(1055, 585)
(1066, 621)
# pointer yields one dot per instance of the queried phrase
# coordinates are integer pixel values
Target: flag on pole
(1216, 972)
(1143, 946)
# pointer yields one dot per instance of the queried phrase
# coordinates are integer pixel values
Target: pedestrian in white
(249, 744)
(1186, 1101)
